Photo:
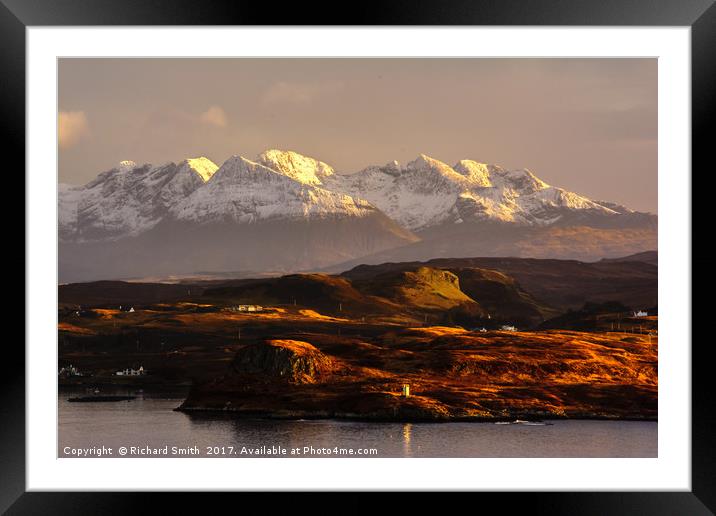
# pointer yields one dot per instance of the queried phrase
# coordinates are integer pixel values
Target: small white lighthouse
(406, 390)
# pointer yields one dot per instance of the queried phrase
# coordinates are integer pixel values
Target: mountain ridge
(422, 210)
(424, 194)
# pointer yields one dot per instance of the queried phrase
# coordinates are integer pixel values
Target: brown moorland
(343, 346)
(453, 375)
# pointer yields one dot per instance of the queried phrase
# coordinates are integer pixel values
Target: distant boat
(105, 397)
(523, 422)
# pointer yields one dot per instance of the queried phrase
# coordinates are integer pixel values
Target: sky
(586, 125)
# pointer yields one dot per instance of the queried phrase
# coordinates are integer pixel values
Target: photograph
(353, 257)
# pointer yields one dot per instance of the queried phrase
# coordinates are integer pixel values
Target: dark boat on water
(98, 398)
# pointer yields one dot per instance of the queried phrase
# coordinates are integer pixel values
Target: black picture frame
(700, 15)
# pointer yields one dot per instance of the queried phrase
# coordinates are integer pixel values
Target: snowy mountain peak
(126, 166)
(245, 191)
(128, 199)
(204, 167)
(477, 173)
(237, 169)
(392, 168)
(296, 166)
(429, 175)
(524, 180)
(423, 160)
(426, 163)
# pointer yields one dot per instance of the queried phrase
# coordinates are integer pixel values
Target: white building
(507, 327)
(70, 370)
(406, 390)
(640, 313)
(246, 308)
(131, 372)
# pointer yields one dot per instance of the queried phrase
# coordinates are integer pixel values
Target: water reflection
(407, 432)
(152, 421)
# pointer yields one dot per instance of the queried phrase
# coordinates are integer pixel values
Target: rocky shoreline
(401, 418)
(453, 376)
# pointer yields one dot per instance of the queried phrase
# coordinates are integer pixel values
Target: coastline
(352, 417)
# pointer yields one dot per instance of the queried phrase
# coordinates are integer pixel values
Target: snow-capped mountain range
(378, 208)
(130, 199)
(427, 193)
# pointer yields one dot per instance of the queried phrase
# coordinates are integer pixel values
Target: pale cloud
(214, 116)
(298, 93)
(72, 127)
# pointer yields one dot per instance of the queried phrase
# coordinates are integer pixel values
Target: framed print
(445, 248)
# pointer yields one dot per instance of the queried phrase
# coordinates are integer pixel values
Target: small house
(69, 371)
(131, 372)
(246, 308)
